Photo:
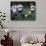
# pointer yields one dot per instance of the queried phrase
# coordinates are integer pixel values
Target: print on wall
(23, 10)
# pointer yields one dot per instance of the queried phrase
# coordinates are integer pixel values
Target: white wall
(39, 24)
(25, 27)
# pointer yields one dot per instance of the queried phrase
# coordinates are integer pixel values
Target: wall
(39, 24)
(25, 26)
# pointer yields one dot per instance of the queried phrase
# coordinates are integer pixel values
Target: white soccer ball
(32, 7)
(20, 7)
(14, 9)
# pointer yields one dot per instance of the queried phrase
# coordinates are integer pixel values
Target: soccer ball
(14, 9)
(32, 8)
(20, 7)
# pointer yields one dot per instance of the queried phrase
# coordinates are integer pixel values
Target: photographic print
(23, 10)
